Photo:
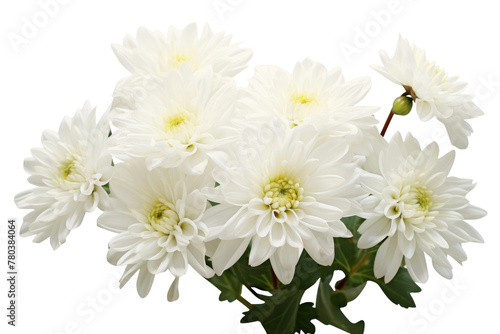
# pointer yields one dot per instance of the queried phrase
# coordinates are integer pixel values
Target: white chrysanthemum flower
(158, 215)
(68, 172)
(418, 209)
(186, 120)
(312, 94)
(435, 92)
(151, 54)
(286, 193)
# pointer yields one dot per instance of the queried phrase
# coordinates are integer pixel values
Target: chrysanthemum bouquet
(271, 187)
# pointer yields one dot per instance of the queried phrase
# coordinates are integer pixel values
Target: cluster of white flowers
(284, 159)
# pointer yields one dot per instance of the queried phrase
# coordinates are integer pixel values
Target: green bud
(402, 105)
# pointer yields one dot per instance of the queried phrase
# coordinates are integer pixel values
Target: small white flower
(435, 92)
(186, 120)
(151, 55)
(312, 94)
(68, 172)
(158, 215)
(287, 192)
(417, 208)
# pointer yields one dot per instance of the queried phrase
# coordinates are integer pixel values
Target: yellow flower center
(303, 99)
(175, 120)
(283, 194)
(415, 205)
(179, 126)
(178, 59)
(421, 198)
(163, 216)
(67, 169)
(303, 106)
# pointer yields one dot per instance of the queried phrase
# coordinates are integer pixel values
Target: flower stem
(253, 291)
(340, 284)
(360, 263)
(387, 122)
(276, 282)
(244, 302)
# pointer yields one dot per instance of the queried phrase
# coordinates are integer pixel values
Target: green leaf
(305, 315)
(307, 272)
(349, 257)
(328, 306)
(228, 284)
(282, 313)
(258, 277)
(399, 289)
(106, 188)
(278, 314)
(353, 223)
(352, 292)
(347, 254)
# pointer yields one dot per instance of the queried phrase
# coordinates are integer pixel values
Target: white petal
(321, 248)
(387, 260)
(178, 263)
(144, 282)
(173, 291)
(284, 261)
(373, 232)
(227, 253)
(261, 251)
(417, 267)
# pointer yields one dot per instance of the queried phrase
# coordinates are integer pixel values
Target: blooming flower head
(69, 173)
(186, 120)
(312, 94)
(151, 54)
(158, 217)
(435, 92)
(287, 192)
(417, 208)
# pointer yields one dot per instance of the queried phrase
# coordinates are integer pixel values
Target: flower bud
(402, 105)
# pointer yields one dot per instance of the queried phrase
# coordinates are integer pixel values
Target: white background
(69, 60)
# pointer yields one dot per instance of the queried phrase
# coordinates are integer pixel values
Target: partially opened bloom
(158, 217)
(416, 209)
(151, 54)
(69, 173)
(186, 120)
(287, 192)
(312, 94)
(435, 92)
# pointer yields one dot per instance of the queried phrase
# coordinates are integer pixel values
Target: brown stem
(276, 282)
(387, 122)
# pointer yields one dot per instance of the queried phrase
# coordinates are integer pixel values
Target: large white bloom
(286, 193)
(186, 120)
(151, 54)
(417, 208)
(158, 215)
(68, 172)
(312, 94)
(435, 92)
